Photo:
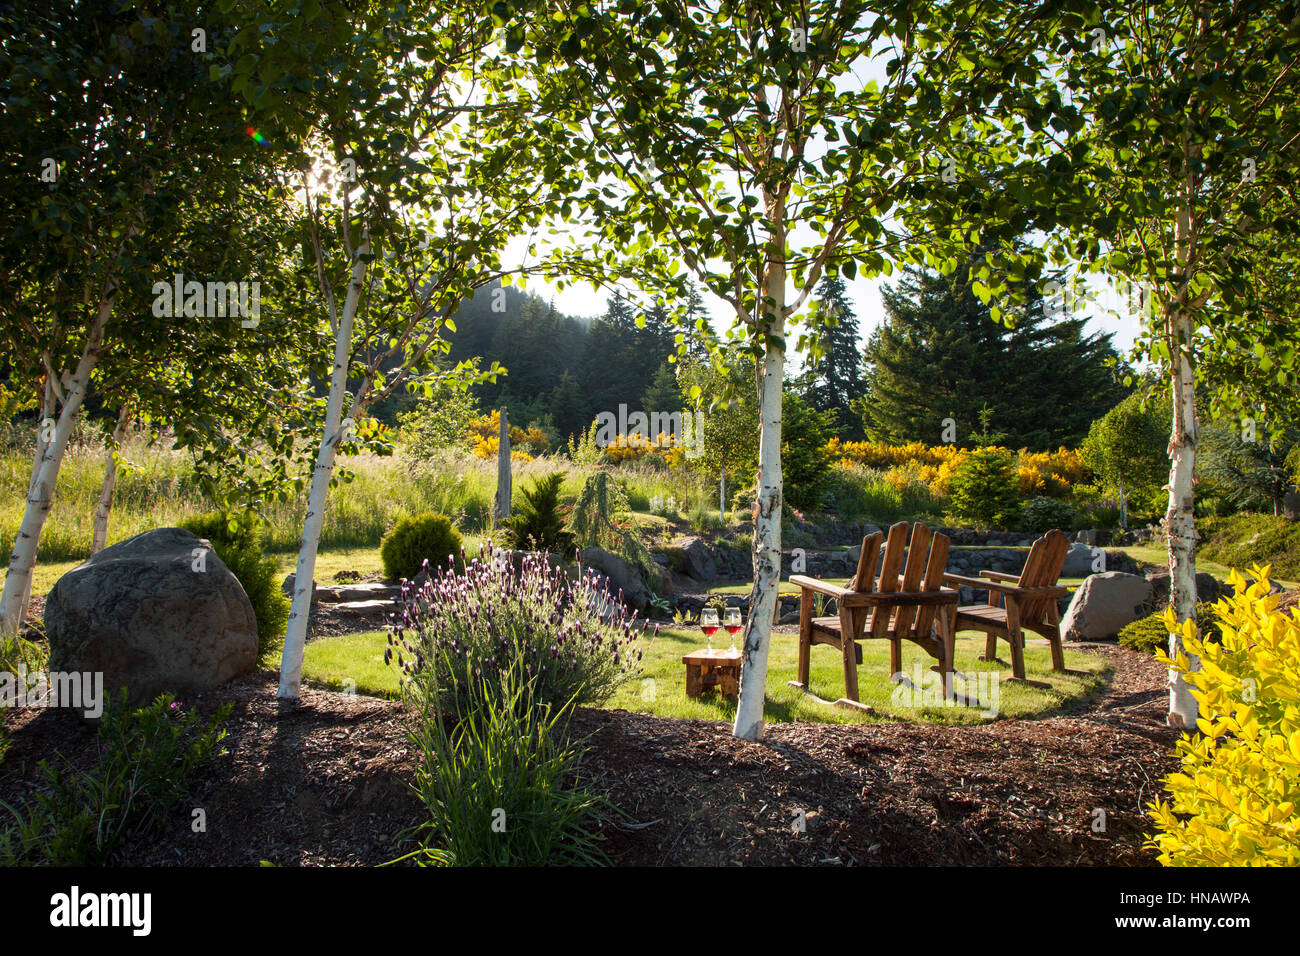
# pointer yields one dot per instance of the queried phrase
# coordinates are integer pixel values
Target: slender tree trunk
(295, 637)
(104, 508)
(18, 583)
(1123, 506)
(47, 412)
(501, 506)
(1180, 520)
(767, 509)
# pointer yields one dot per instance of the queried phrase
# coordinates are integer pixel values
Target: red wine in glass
(709, 624)
(733, 624)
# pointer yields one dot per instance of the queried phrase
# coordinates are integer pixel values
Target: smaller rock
(697, 558)
(1078, 561)
(367, 610)
(622, 576)
(288, 586)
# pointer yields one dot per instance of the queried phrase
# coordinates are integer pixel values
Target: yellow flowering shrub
(910, 473)
(1234, 801)
(1049, 473)
(1040, 473)
(882, 456)
(634, 447)
(485, 431)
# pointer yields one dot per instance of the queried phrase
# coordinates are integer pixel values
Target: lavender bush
(572, 639)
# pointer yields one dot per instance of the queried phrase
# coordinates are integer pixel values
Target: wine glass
(732, 623)
(709, 623)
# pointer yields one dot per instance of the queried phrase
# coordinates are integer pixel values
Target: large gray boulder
(622, 576)
(159, 612)
(1103, 604)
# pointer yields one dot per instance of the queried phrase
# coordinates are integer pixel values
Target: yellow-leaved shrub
(1039, 473)
(1234, 801)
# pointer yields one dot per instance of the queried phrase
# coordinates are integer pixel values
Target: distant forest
(561, 370)
(937, 355)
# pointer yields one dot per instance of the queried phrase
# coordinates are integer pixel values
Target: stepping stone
(368, 610)
(343, 593)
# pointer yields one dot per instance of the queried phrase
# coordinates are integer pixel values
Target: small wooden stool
(716, 668)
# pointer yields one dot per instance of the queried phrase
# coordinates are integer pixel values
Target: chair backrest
(1042, 569)
(864, 581)
(917, 565)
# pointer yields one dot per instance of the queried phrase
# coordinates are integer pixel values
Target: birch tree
(405, 208)
(1175, 163)
(758, 147)
(116, 151)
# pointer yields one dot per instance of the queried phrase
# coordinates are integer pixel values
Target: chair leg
(1017, 639)
(948, 634)
(805, 637)
(1054, 639)
(990, 647)
(849, 651)
(895, 657)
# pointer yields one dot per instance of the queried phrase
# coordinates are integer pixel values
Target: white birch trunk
(47, 411)
(767, 509)
(104, 507)
(1180, 519)
(295, 637)
(18, 583)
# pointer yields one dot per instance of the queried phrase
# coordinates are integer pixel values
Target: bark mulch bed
(326, 782)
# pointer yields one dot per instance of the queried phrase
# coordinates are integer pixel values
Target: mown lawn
(660, 689)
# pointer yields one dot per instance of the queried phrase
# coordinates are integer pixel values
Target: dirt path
(326, 783)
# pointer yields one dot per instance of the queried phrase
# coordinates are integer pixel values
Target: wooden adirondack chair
(1019, 603)
(909, 606)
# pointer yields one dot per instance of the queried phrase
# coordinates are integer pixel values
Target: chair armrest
(984, 584)
(821, 587)
(959, 579)
(895, 598)
(1001, 576)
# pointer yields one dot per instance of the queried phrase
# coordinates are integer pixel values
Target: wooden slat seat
(1019, 603)
(907, 602)
(983, 612)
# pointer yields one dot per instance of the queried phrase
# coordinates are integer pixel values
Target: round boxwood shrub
(239, 540)
(1042, 514)
(1149, 634)
(414, 540)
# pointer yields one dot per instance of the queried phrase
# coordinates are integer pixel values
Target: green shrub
(595, 521)
(414, 540)
(1245, 539)
(499, 777)
(81, 818)
(805, 464)
(985, 487)
(538, 523)
(1041, 514)
(240, 542)
(1150, 635)
(1233, 800)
